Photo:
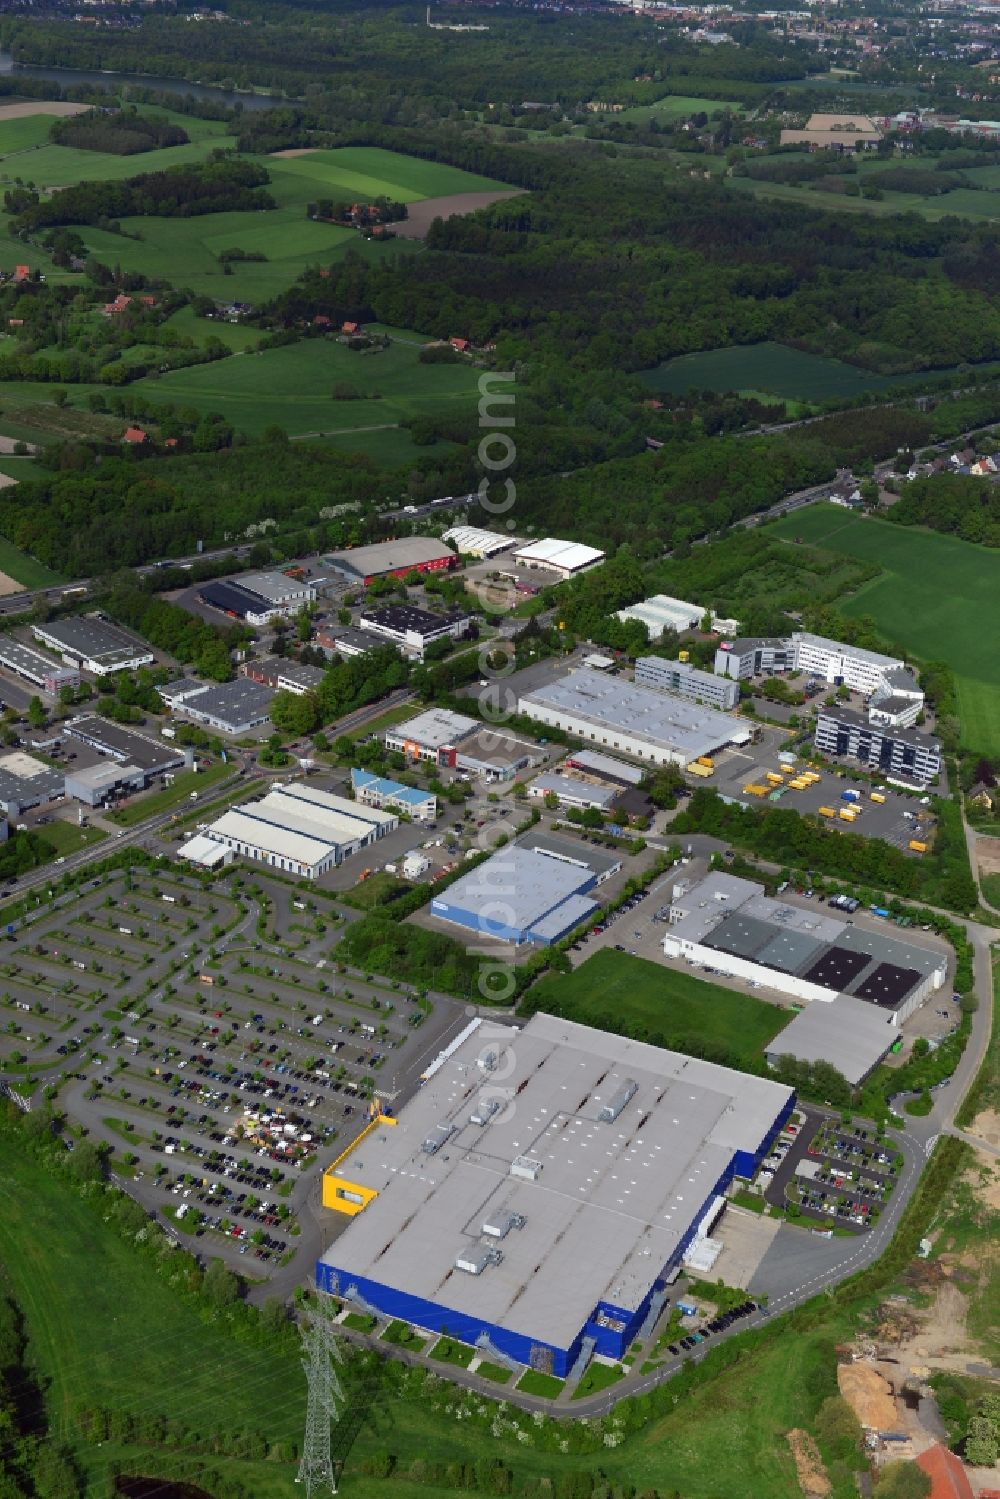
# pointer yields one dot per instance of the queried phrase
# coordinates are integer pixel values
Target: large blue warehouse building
(534, 1196)
(520, 895)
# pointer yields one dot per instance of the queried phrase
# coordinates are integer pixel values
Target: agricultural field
(980, 200)
(292, 386)
(938, 598)
(769, 369)
(674, 107)
(642, 999)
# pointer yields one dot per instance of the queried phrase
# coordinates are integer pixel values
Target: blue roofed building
(519, 895)
(379, 791)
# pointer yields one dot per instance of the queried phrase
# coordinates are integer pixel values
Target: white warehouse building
(637, 721)
(300, 829)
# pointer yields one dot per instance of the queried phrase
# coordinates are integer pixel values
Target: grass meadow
(938, 598)
(292, 386)
(642, 996)
(769, 370)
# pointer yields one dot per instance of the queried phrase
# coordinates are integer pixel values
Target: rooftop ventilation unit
(526, 1167)
(483, 1112)
(499, 1224)
(609, 1112)
(474, 1261)
(488, 1062)
(439, 1136)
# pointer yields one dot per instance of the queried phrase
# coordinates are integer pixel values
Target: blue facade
(613, 1328)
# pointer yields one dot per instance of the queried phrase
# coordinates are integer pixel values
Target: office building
(284, 675)
(729, 925)
(661, 612)
(90, 643)
(572, 791)
(453, 741)
(377, 791)
(637, 721)
(838, 664)
(906, 753)
(394, 559)
(753, 656)
(685, 680)
(547, 1230)
(300, 829)
(898, 701)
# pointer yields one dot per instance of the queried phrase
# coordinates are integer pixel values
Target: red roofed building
(459, 344)
(148, 301)
(22, 272)
(321, 320)
(134, 435)
(349, 328)
(948, 1477)
(120, 303)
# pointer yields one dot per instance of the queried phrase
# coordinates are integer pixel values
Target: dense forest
(219, 185)
(961, 506)
(120, 132)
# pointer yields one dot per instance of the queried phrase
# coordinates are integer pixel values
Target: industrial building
(343, 640)
(565, 558)
(92, 644)
(542, 1231)
(519, 895)
(898, 752)
(605, 768)
(258, 598)
(413, 629)
(97, 785)
(394, 559)
(377, 791)
(602, 863)
(283, 675)
(571, 791)
(851, 1035)
(729, 925)
(150, 755)
(685, 680)
(661, 612)
(31, 665)
(456, 742)
(227, 707)
(472, 541)
(205, 852)
(638, 721)
(836, 663)
(301, 829)
(26, 782)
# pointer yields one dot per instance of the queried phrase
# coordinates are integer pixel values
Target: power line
(320, 1352)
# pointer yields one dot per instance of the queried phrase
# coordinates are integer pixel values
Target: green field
(673, 107)
(292, 386)
(769, 369)
(25, 134)
(185, 251)
(18, 565)
(981, 201)
(938, 598)
(615, 990)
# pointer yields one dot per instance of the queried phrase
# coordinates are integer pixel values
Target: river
(67, 77)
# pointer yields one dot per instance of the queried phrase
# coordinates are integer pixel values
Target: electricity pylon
(320, 1352)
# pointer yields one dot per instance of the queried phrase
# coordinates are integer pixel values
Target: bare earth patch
(41, 107)
(987, 1126)
(868, 1395)
(296, 151)
(8, 444)
(422, 215)
(9, 585)
(988, 854)
(809, 1467)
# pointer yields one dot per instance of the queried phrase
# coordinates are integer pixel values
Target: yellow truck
(775, 779)
(847, 814)
(697, 769)
(798, 784)
(754, 790)
(917, 846)
(812, 776)
(878, 796)
(827, 812)
(706, 760)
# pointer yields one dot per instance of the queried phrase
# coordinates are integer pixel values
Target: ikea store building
(534, 1196)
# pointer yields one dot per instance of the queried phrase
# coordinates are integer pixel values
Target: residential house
(134, 436)
(460, 345)
(982, 796)
(120, 304)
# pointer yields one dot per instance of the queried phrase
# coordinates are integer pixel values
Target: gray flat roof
(233, 703)
(94, 638)
(706, 902)
(21, 657)
(637, 712)
(435, 728)
(609, 1205)
(852, 719)
(275, 586)
(124, 744)
(24, 779)
(743, 936)
(386, 556)
(838, 648)
(850, 1034)
(516, 886)
(607, 765)
(791, 952)
(572, 786)
(571, 850)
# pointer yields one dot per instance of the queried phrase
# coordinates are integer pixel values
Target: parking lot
(896, 820)
(833, 1174)
(209, 1038)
